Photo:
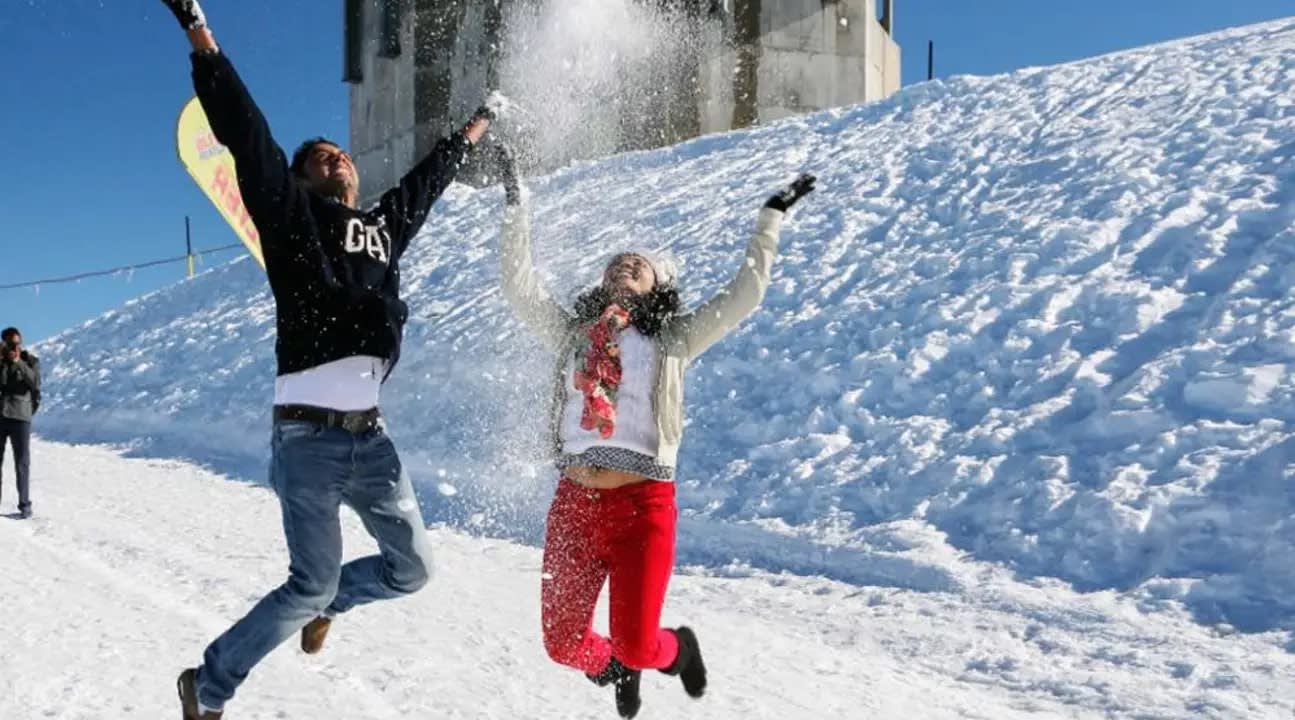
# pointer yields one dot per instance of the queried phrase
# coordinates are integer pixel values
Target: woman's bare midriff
(602, 478)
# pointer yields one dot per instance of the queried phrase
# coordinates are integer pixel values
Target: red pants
(627, 534)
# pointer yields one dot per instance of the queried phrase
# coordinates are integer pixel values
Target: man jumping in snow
(334, 272)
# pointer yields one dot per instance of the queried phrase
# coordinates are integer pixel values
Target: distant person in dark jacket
(19, 400)
(334, 273)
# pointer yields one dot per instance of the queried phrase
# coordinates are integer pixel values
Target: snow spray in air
(599, 76)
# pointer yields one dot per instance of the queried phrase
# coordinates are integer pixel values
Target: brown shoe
(187, 686)
(312, 636)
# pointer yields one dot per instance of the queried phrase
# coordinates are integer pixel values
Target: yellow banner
(212, 167)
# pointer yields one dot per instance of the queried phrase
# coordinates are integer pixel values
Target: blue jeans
(314, 470)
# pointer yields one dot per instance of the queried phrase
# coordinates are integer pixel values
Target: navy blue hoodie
(334, 271)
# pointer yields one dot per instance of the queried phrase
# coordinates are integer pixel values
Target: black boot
(626, 681)
(628, 701)
(689, 666)
(610, 674)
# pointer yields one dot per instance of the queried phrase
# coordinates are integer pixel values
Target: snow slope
(132, 565)
(1042, 317)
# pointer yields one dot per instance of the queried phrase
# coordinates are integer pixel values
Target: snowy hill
(1042, 319)
(132, 565)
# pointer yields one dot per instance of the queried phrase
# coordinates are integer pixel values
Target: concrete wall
(455, 58)
(382, 111)
(811, 55)
(882, 67)
(404, 104)
(817, 55)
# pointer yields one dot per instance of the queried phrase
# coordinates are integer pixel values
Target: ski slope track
(1042, 321)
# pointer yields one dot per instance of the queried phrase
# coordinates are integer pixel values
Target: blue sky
(90, 91)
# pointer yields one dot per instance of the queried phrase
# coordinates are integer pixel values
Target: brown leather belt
(352, 421)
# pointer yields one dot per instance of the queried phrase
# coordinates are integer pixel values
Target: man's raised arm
(264, 178)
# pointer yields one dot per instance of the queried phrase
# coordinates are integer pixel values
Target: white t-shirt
(352, 383)
(635, 419)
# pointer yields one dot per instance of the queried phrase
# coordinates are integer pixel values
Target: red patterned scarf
(598, 376)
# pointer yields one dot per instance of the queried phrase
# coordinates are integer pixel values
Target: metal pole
(188, 245)
(930, 60)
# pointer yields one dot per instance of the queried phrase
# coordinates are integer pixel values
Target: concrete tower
(418, 67)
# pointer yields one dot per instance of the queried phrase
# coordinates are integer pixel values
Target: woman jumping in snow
(618, 422)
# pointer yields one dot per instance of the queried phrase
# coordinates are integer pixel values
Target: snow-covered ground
(132, 565)
(1034, 334)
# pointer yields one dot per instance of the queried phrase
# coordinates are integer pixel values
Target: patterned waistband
(614, 458)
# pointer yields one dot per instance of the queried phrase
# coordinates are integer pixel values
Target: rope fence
(117, 270)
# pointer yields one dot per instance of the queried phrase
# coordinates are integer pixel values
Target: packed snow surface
(1044, 318)
(132, 565)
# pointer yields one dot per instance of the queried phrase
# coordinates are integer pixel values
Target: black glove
(801, 187)
(187, 12)
(494, 106)
(507, 166)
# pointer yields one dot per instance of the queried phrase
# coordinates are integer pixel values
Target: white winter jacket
(680, 340)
